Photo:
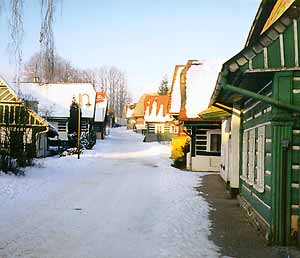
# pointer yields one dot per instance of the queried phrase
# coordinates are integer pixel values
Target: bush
(180, 162)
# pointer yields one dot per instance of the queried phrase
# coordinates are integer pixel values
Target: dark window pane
(215, 143)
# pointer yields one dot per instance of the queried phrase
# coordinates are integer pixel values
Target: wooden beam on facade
(262, 98)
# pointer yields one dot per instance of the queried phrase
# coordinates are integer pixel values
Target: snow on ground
(120, 200)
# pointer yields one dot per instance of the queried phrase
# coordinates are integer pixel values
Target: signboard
(100, 97)
(279, 9)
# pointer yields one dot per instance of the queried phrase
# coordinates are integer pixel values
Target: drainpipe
(262, 98)
(284, 151)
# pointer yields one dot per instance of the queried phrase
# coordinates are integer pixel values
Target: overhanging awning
(215, 113)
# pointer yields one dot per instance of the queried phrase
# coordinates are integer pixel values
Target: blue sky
(144, 38)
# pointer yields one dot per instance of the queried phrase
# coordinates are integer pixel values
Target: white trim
(295, 206)
(296, 91)
(296, 148)
(295, 185)
(268, 140)
(258, 102)
(259, 188)
(253, 106)
(247, 189)
(296, 42)
(251, 157)
(254, 127)
(249, 119)
(157, 128)
(269, 109)
(269, 188)
(173, 129)
(268, 172)
(296, 132)
(296, 167)
(245, 156)
(208, 137)
(261, 201)
(266, 58)
(269, 154)
(258, 115)
(296, 79)
(282, 61)
(250, 64)
(259, 184)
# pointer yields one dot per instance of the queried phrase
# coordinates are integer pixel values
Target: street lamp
(79, 111)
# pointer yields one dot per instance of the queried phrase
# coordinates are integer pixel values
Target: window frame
(62, 126)
(159, 126)
(209, 133)
(251, 157)
(259, 182)
(245, 170)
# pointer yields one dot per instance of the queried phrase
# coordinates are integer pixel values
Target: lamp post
(79, 117)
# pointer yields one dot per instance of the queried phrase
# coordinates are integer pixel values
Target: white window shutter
(245, 157)
(260, 180)
(251, 157)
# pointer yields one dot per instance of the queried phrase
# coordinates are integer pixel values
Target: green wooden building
(262, 82)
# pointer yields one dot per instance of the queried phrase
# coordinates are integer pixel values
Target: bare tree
(109, 78)
(16, 28)
(36, 69)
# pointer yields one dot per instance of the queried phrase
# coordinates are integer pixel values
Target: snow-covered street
(120, 200)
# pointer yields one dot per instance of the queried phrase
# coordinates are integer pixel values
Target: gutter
(262, 98)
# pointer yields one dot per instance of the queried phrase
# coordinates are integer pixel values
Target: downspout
(284, 152)
(262, 98)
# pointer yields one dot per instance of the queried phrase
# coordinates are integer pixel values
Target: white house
(157, 119)
(54, 99)
(196, 81)
(101, 121)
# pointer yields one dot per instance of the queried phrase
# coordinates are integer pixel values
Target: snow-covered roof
(156, 108)
(197, 81)
(129, 110)
(175, 93)
(9, 95)
(139, 110)
(54, 99)
(101, 106)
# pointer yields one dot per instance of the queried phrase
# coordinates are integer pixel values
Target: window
(214, 140)
(201, 141)
(259, 183)
(159, 128)
(174, 129)
(215, 143)
(62, 126)
(84, 125)
(251, 157)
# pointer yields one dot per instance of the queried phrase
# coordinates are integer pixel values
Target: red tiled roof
(160, 99)
(100, 96)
